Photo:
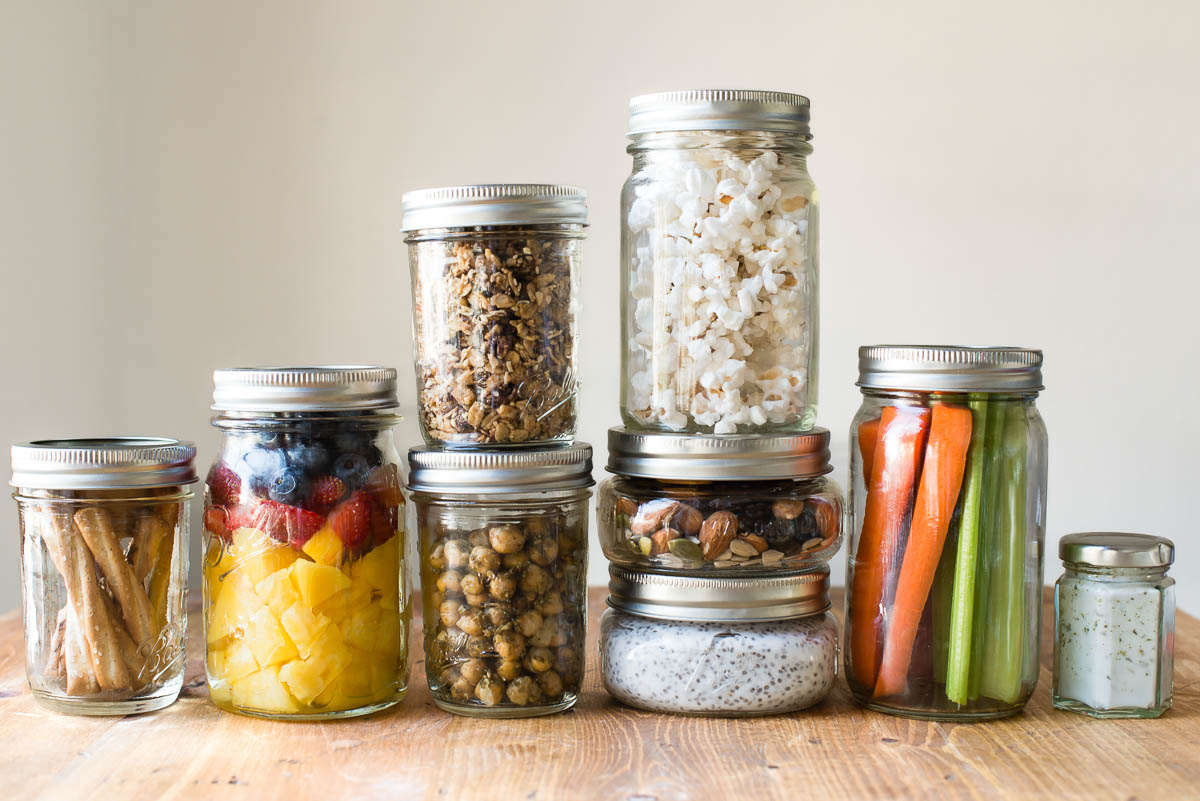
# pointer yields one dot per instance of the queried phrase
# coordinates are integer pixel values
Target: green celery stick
(1005, 652)
(986, 561)
(966, 554)
(942, 598)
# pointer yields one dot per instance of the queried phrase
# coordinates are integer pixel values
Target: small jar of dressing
(1114, 625)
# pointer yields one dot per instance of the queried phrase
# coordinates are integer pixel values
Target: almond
(716, 533)
(687, 519)
(758, 542)
(651, 516)
(787, 509)
(627, 506)
(827, 515)
(661, 540)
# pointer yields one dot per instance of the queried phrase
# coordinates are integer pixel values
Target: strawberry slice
(351, 519)
(279, 521)
(326, 491)
(224, 486)
(383, 522)
(216, 522)
(384, 484)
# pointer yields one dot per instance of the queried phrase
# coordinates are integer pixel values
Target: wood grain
(599, 750)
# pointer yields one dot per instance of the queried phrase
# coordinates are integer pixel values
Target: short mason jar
(719, 505)
(104, 564)
(495, 292)
(306, 600)
(1114, 625)
(719, 264)
(947, 505)
(503, 541)
(723, 647)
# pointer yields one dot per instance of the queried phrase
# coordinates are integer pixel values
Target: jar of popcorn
(719, 264)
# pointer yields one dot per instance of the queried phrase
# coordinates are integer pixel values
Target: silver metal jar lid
(706, 599)
(719, 110)
(494, 204)
(304, 389)
(474, 472)
(108, 463)
(1115, 549)
(718, 457)
(949, 368)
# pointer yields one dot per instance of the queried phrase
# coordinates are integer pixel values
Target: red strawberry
(224, 486)
(325, 493)
(351, 519)
(280, 522)
(384, 484)
(383, 523)
(216, 521)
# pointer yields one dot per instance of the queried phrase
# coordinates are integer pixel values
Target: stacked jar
(501, 489)
(719, 521)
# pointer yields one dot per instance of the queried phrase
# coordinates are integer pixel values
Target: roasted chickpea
(546, 634)
(478, 646)
(490, 691)
(509, 669)
(470, 621)
(479, 600)
(550, 683)
(437, 558)
(502, 586)
(506, 539)
(543, 550)
(471, 584)
(478, 537)
(448, 675)
(449, 612)
(552, 604)
(450, 581)
(534, 580)
(536, 526)
(497, 616)
(483, 560)
(539, 659)
(515, 561)
(562, 636)
(455, 552)
(473, 670)
(522, 690)
(568, 662)
(529, 622)
(462, 690)
(509, 644)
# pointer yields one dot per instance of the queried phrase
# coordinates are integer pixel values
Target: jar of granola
(503, 541)
(306, 602)
(104, 558)
(495, 274)
(719, 264)
(729, 505)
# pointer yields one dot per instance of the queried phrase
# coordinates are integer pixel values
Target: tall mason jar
(503, 542)
(306, 601)
(495, 292)
(104, 564)
(948, 504)
(719, 264)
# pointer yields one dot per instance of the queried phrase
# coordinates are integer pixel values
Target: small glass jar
(723, 647)
(306, 601)
(719, 264)
(1114, 625)
(719, 505)
(495, 292)
(104, 564)
(503, 539)
(947, 504)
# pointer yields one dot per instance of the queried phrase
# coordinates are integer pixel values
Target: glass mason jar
(1114, 625)
(104, 564)
(723, 647)
(306, 601)
(719, 264)
(503, 540)
(947, 504)
(495, 291)
(709, 505)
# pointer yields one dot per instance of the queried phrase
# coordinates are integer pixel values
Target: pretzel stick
(76, 662)
(55, 663)
(134, 660)
(160, 581)
(148, 536)
(96, 527)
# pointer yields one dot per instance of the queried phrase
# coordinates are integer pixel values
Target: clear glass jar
(708, 505)
(722, 647)
(503, 541)
(947, 503)
(719, 265)
(306, 600)
(104, 564)
(495, 291)
(1114, 625)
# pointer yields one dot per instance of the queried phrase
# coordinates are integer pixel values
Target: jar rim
(96, 463)
(719, 457)
(720, 110)
(493, 204)
(316, 388)
(709, 599)
(510, 471)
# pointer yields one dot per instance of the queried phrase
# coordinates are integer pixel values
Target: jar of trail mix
(495, 278)
(719, 264)
(719, 505)
(503, 541)
(306, 602)
(104, 564)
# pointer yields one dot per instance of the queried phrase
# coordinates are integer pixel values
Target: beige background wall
(194, 184)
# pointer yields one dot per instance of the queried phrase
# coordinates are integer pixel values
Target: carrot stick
(868, 439)
(894, 467)
(937, 495)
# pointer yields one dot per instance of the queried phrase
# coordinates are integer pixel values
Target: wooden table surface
(598, 750)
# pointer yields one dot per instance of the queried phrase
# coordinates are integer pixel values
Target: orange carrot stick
(868, 438)
(937, 494)
(894, 467)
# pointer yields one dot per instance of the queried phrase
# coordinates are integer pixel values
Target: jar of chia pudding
(1114, 625)
(723, 647)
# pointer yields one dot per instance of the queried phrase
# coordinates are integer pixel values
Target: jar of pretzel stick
(104, 565)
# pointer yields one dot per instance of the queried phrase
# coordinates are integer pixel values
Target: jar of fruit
(503, 538)
(306, 606)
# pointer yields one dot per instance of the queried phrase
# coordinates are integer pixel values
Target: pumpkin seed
(685, 550)
(644, 545)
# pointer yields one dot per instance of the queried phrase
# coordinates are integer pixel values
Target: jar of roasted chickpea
(503, 541)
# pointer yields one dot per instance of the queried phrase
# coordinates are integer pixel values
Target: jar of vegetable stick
(104, 529)
(947, 506)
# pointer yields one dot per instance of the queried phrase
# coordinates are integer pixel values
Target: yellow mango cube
(329, 653)
(302, 627)
(220, 693)
(359, 628)
(317, 583)
(387, 632)
(325, 547)
(277, 592)
(258, 556)
(302, 679)
(355, 681)
(380, 567)
(268, 641)
(262, 691)
(239, 661)
(218, 560)
(385, 677)
(234, 602)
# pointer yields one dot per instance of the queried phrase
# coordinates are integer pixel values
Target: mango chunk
(267, 639)
(239, 661)
(317, 583)
(380, 567)
(258, 556)
(325, 547)
(302, 679)
(263, 691)
(302, 627)
(329, 654)
(387, 632)
(277, 592)
(234, 603)
(359, 628)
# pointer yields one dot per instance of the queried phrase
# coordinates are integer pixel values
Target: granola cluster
(495, 339)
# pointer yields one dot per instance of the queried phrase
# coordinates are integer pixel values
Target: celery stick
(963, 595)
(1005, 651)
(986, 560)
(942, 599)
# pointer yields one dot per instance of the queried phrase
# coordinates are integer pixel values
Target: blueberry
(360, 442)
(287, 486)
(308, 457)
(352, 468)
